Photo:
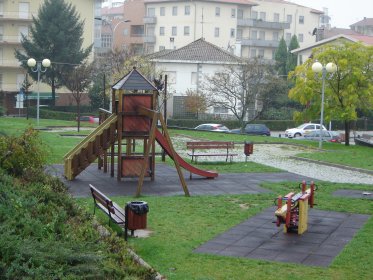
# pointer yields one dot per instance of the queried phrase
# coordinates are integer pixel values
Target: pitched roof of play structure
(134, 80)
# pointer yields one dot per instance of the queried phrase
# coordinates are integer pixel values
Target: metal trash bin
(248, 148)
(137, 214)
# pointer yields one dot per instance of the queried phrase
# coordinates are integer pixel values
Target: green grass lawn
(181, 224)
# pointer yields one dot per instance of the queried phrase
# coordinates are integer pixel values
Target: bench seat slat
(211, 154)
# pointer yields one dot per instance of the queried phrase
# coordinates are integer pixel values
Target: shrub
(22, 155)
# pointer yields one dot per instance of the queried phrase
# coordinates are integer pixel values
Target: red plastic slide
(164, 144)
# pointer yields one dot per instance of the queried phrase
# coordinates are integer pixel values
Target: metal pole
(38, 69)
(322, 105)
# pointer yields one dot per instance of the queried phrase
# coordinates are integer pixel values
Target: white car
(302, 129)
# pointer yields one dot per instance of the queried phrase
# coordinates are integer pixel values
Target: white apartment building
(16, 19)
(246, 28)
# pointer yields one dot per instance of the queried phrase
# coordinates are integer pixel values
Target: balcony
(150, 20)
(15, 16)
(10, 40)
(259, 43)
(149, 39)
(258, 23)
(7, 63)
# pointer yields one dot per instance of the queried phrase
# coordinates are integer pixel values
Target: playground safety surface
(167, 182)
(259, 238)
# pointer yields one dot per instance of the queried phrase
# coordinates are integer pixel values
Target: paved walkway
(167, 182)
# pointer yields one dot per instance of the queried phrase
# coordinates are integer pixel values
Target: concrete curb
(361, 170)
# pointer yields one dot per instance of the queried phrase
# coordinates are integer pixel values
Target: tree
(281, 57)
(195, 102)
(56, 34)
(292, 59)
(238, 88)
(25, 87)
(78, 81)
(348, 90)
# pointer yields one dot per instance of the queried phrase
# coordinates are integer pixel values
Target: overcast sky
(343, 13)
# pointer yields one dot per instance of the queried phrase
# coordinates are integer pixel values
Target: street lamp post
(38, 69)
(317, 67)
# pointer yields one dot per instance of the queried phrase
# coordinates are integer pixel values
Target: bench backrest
(102, 199)
(209, 145)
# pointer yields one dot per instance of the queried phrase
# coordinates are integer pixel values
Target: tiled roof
(241, 2)
(199, 50)
(335, 31)
(364, 22)
(367, 40)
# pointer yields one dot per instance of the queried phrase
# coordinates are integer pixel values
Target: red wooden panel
(136, 124)
(132, 165)
(132, 102)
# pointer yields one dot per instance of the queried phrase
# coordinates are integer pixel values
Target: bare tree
(78, 81)
(238, 88)
(195, 102)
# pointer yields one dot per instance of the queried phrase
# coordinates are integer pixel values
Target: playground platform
(167, 182)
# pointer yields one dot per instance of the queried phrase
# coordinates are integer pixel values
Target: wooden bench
(110, 208)
(209, 145)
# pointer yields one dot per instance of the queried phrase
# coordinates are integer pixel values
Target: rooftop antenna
(202, 22)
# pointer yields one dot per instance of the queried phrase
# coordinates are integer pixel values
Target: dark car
(212, 127)
(254, 129)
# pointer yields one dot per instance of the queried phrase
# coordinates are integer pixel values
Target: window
(300, 37)
(220, 110)
(162, 11)
(106, 40)
(253, 53)
(137, 30)
(262, 16)
(151, 12)
(174, 11)
(162, 48)
(233, 33)
(261, 53)
(301, 19)
(216, 33)
(239, 34)
(193, 79)
(187, 10)
(240, 14)
(289, 18)
(254, 15)
(186, 30)
(254, 34)
(300, 58)
(174, 30)
(275, 36)
(273, 54)
(288, 37)
(262, 35)
(276, 17)
(161, 31)
(233, 13)
(217, 11)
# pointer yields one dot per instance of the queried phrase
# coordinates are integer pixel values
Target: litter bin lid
(138, 207)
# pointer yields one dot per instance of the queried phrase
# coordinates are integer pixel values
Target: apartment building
(364, 26)
(16, 19)
(246, 28)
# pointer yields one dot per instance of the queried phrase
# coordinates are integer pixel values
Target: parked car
(254, 129)
(212, 127)
(330, 136)
(302, 130)
(91, 119)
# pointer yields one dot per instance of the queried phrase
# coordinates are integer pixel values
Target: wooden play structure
(133, 118)
(293, 213)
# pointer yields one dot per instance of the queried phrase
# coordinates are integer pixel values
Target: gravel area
(277, 155)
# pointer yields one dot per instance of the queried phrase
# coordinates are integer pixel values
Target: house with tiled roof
(305, 52)
(364, 27)
(186, 69)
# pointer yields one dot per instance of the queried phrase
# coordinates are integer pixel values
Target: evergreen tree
(291, 62)
(56, 34)
(281, 58)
